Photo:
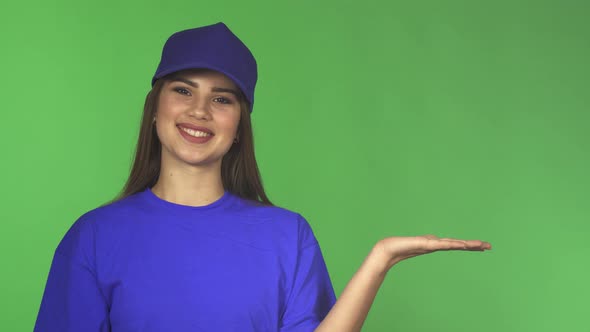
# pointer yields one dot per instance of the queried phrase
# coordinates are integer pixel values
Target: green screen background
(464, 119)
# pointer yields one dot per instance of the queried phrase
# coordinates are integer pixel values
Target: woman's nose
(200, 109)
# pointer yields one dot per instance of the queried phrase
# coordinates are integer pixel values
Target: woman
(193, 243)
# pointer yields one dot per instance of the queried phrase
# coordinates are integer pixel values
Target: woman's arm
(350, 310)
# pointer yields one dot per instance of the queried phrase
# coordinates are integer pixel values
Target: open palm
(398, 248)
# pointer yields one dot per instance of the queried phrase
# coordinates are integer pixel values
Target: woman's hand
(397, 248)
(352, 306)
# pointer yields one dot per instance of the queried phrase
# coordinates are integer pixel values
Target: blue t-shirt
(146, 264)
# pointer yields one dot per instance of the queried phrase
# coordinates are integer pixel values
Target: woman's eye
(181, 91)
(185, 92)
(223, 100)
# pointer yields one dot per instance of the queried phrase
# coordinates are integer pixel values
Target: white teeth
(195, 133)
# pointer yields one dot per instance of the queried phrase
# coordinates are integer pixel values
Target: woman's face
(197, 118)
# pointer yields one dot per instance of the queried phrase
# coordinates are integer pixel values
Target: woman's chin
(200, 162)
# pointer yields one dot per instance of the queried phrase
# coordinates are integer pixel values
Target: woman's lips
(194, 136)
(195, 127)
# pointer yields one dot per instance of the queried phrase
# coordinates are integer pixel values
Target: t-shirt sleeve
(312, 295)
(72, 300)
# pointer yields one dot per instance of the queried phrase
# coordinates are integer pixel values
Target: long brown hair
(239, 171)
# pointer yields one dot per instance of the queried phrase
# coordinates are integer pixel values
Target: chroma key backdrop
(458, 118)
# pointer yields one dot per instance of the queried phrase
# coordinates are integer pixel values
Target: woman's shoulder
(248, 207)
(85, 233)
(112, 211)
(123, 206)
(277, 217)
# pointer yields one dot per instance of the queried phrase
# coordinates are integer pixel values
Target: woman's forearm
(350, 310)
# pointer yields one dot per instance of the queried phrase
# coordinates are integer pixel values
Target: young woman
(193, 243)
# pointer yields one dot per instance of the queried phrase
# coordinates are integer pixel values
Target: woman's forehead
(200, 72)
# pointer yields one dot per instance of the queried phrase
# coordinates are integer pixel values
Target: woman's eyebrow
(214, 89)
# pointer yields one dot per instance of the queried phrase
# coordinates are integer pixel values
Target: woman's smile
(194, 135)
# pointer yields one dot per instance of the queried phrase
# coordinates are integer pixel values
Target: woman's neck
(189, 185)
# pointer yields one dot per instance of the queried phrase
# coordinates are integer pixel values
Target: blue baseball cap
(213, 47)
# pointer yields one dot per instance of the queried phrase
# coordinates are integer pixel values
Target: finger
(434, 244)
(478, 244)
(486, 245)
(450, 244)
(468, 244)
